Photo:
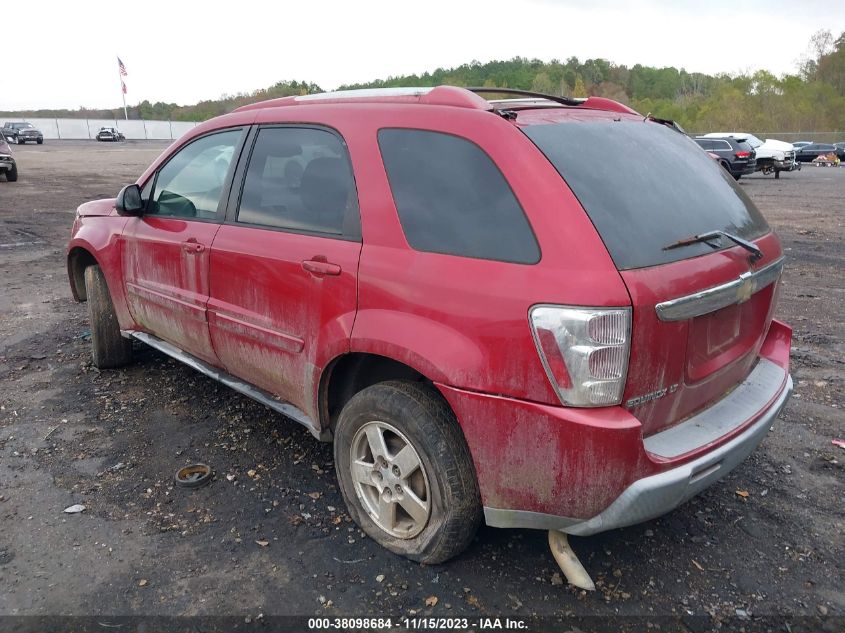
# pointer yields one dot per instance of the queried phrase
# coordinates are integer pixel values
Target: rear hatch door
(700, 311)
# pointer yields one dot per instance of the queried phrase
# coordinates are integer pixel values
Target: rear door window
(646, 186)
(452, 199)
(300, 179)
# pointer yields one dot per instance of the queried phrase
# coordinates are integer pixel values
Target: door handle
(319, 266)
(191, 246)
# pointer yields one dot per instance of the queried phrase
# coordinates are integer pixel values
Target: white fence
(132, 129)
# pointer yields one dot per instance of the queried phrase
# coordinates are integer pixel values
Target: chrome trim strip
(706, 301)
(265, 398)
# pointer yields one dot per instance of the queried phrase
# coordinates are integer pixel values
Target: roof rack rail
(567, 101)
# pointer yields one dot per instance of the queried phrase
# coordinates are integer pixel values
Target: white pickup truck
(772, 156)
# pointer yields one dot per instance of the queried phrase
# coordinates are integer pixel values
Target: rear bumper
(744, 168)
(584, 471)
(654, 496)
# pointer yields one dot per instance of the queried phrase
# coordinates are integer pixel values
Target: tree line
(811, 99)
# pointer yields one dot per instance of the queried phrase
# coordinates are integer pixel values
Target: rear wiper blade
(756, 253)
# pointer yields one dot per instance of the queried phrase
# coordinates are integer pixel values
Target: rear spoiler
(667, 122)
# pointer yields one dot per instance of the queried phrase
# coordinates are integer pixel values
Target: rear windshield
(645, 186)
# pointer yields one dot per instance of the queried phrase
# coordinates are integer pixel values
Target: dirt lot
(270, 535)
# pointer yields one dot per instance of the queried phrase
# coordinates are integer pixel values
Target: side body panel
(273, 323)
(166, 276)
(97, 230)
(458, 320)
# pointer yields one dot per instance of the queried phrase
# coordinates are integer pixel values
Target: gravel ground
(269, 536)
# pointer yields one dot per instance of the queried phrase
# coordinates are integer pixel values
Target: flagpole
(122, 92)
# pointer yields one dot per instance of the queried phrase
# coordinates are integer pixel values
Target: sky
(183, 52)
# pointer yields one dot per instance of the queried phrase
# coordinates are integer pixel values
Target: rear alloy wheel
(108, 347)
(405, 471)
(395, 494)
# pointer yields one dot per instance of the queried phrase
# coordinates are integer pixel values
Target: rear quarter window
(452, 199)
(646, 186)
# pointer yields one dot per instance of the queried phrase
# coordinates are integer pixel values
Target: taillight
(584, 352)
(742, 154)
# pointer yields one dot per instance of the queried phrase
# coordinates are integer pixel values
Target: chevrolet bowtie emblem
(746, 288)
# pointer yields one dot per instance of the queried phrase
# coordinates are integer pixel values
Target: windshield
(644, 186)
(22, 126)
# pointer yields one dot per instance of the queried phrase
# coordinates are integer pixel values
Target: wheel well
(77, 261)
(354, 372)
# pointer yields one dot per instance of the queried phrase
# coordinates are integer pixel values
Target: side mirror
(129, 201)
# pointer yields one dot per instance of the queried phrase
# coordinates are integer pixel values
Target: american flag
(122, 69)
(123, 86)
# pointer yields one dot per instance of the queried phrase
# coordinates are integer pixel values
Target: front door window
(191, 183)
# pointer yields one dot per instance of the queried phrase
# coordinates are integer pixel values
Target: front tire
(405, 471)
(109, 349)
(40, 141)
(12, 174)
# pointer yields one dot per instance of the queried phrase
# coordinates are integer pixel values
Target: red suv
(550, 313)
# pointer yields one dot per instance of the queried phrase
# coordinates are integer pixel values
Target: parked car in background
(588, 341)
(21, 132)
(110, 134)
(735, 154)
(8, 166)
(809, 152)
(839, 145)
(772, 156)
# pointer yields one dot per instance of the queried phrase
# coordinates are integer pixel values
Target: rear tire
(109, 349)
(426, 467)
(12, 174)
